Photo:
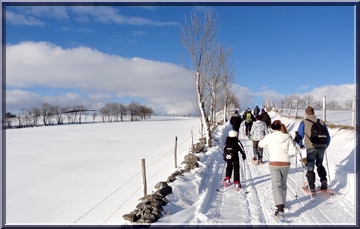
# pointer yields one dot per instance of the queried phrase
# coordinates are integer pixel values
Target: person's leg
(255, 152)
(284, 175)
(229, 167)
(260, 154)
(310, 159)
(236, 171)
(321, 171)
(276, 184)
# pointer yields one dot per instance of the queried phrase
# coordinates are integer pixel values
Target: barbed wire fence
(346, 109)
(183, 148)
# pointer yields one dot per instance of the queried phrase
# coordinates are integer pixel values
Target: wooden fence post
(144, 176)
(175, 153)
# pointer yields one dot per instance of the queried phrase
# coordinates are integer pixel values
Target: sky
(91, 54)
(90, 174)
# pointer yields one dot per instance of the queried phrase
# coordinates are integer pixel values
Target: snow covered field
(90, 174)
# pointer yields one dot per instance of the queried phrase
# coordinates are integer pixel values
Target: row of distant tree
(50, 115)
(296, 101)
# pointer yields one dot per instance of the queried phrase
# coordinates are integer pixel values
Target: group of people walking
(280, 146)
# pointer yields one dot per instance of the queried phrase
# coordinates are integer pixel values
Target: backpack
(248, 117)
(318, 133)
(229, 152)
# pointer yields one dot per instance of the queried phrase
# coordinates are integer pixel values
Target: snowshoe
(307, 190)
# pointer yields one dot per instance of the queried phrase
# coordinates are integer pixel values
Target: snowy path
(241, 208)
(254, 203)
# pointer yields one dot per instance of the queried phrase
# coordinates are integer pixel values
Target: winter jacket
(265, 117)
(252, 116)
(235, 121)
(235, 145)
(258, 130)
(304, 131)
(280, 146)
(256, 111)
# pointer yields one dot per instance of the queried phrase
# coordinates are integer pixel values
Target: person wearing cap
(235, 121)
(231, 150)
(280, 146)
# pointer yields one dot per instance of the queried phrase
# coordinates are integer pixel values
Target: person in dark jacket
(256, 111)
(265, 117)
(232, 160)
(249, 118)
(235, 121)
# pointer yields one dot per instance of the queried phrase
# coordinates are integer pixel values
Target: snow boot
(323, 185)
(226, 182)
(280, 216)
(237, 186)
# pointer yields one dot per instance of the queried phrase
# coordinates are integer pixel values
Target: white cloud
(58, 12)
(107, 14)
(339, 93)
(29, 64)
(97, 78)
(18, 19)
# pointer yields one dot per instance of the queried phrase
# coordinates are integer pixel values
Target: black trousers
(233, 165)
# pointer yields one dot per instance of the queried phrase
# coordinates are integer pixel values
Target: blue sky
(91, 55)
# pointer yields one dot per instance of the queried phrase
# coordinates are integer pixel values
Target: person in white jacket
(257, 133)
(280, 146)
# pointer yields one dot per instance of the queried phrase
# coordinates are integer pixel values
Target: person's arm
(301, 133)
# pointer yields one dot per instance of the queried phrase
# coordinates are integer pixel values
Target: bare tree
(133, 109)
(308, 100)
(35, 114)
(198, 37)
(94, 116)
(46, 110)
(333, 105)
(349, 105)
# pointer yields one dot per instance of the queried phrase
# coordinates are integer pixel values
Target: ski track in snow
(228, 206)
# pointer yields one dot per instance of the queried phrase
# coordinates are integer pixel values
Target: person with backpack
(256, 111)
(257, 133)
(235, 121)
(248, 118)
(265, 117)
(280, 146)
(231, 150)
(313, 134)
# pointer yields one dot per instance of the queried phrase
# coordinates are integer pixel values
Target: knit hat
(232, 133)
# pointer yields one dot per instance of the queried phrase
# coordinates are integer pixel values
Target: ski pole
(246, 192)
(328, 171)
(296, 171)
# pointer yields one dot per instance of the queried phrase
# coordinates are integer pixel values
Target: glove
(302, 147)
(244, 157)
(297, 137)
